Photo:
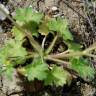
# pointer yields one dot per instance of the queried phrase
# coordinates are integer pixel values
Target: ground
(82, 30)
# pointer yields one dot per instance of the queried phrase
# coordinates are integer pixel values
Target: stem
(65, 63)
(51, 45)
(91, 55)
(31, 39)
(82, 53)
(92, 47)
(43, 42)
(63, 55)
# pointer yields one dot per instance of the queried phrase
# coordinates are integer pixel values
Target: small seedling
(33, 53)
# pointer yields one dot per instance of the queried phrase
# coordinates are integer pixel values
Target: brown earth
(75, 12)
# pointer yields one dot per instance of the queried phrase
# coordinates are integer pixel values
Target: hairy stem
(51, 45)
(92, 47)
(80, 53)
(61, 62)
(91, 55)
(63, 55)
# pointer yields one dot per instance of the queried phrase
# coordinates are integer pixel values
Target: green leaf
(3, 55)
(72, 46)
(54, 25)
(32, 27)
(37, 17)
(9, 71)
(57, 76)
(81, 66)
(4, 62)
(37, 70)
(18, 60)
(15, 49)
(1, 71)
(1, 66)
(61, 26)
(29, 19)
(27, 14)
(49, 80)
(17, 34)
(43, 29)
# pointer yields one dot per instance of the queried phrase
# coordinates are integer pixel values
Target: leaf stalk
(51, 45)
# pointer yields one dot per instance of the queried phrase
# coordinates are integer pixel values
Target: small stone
(54, 8)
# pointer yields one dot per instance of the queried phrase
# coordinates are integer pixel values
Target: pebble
(54, 8)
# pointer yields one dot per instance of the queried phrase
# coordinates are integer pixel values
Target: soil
(82, 29)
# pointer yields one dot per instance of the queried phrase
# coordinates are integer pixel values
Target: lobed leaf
(81, 66)
(15, 49)
(37, 70)
(72, 46)
(57, 76)
(32, 27)
(27, 14)
(17, 34)
(9, 71)
(61, 26)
